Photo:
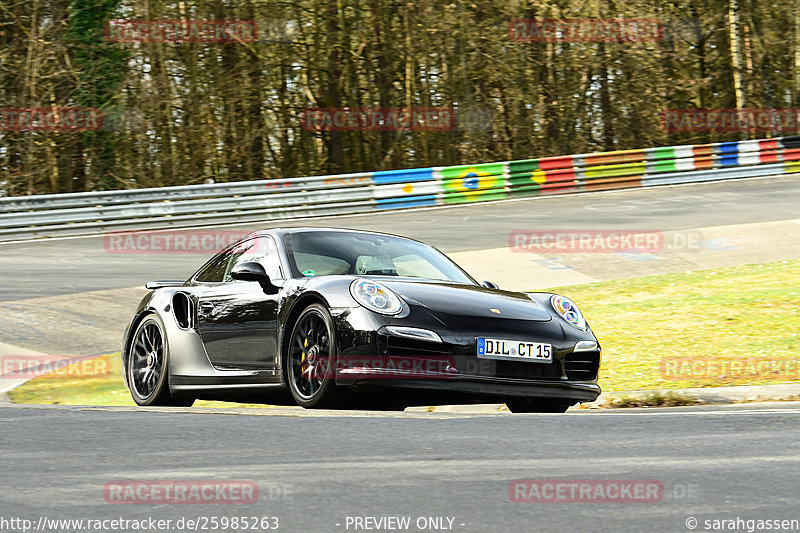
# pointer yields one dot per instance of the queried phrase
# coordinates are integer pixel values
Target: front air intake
(582, 366)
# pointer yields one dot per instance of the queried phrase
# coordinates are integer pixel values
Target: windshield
(368, 254)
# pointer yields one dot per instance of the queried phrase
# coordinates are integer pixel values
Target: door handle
(206, 308)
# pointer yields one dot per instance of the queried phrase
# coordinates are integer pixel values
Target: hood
(452, 299)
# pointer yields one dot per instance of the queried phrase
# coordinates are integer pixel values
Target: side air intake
(183, 309)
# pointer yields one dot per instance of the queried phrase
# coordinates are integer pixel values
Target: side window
(261, 250)
(214, 271)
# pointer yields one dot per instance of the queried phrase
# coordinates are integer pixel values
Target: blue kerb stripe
(729, 148)
(402, 176)
(411, 201)
(729, 154)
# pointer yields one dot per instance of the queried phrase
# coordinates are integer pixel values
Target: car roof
(280, 232)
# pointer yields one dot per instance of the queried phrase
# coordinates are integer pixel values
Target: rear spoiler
(159, 284)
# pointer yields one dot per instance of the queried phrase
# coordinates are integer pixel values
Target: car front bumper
(371, 358)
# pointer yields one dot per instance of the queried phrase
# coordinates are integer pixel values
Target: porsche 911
(341, 317)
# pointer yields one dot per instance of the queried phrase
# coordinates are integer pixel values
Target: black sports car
(336, 315)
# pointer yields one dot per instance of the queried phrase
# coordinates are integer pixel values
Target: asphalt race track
(314, 472)
(68, 266)
(74, 296)
(329, 471)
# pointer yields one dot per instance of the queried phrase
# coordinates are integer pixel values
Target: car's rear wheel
(311, 359)
(148, 366)
(537, 405)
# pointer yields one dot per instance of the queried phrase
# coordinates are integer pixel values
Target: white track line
(297, 413)
(643, 412)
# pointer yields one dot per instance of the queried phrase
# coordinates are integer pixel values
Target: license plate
(516, 350)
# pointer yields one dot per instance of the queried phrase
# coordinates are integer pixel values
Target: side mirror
(253, 271)
(489, 285)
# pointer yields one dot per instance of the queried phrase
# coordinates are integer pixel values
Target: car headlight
(567, 309)
(375, 297)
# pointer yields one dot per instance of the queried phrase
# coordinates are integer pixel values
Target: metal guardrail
(268, 200)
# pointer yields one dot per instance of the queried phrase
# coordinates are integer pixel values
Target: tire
(148, 366)
(311, 360)
(538, 405)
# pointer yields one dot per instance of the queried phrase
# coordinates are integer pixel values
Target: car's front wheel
(537, 405)
(148, 366)
(311, 359)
